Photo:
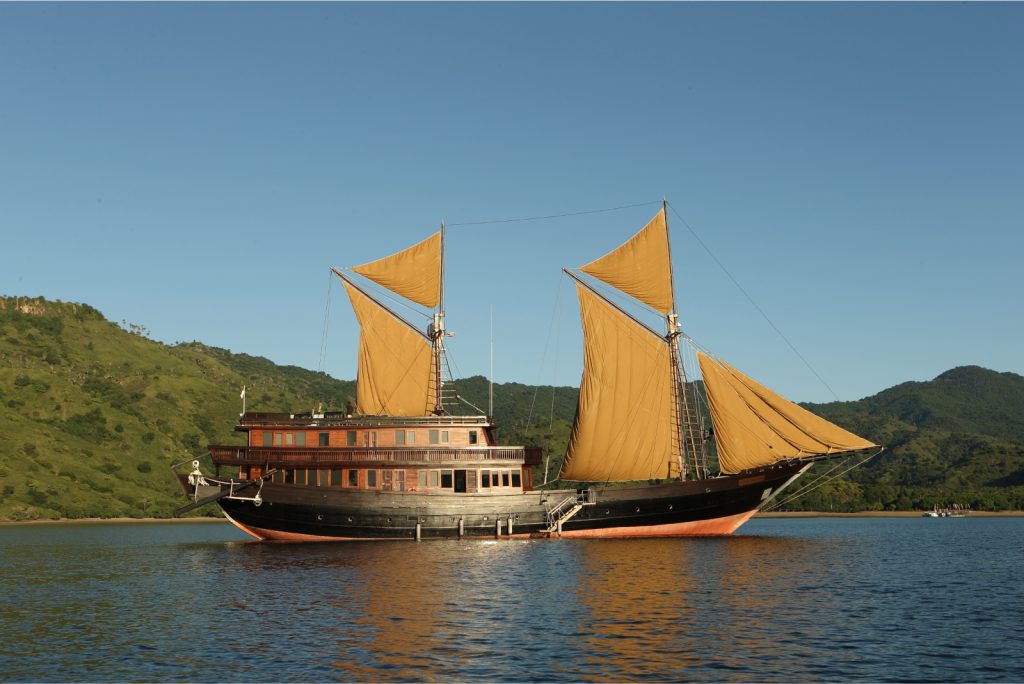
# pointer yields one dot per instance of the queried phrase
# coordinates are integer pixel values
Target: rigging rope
(803, 491)
(753, 303)
(551, 216)
(327, 318)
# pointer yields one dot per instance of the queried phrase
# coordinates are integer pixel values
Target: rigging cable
(751, 300)
(327, 320)
(817, 483)
(551, 216)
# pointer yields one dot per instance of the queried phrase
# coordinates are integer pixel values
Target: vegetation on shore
(93, 413)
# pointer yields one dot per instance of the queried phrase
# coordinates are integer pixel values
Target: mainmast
(684, 409)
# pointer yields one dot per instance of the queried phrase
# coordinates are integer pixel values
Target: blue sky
(858, 168)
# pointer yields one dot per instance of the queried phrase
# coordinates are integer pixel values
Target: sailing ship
(640, 461)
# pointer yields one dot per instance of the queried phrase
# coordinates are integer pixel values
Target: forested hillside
(92, 413)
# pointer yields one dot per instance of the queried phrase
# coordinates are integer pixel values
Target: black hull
(307, 513)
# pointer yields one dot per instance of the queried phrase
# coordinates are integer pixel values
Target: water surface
(880, 599)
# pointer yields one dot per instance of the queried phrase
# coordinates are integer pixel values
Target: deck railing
(257, 455)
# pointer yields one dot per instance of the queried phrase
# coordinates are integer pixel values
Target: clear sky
(857, 168)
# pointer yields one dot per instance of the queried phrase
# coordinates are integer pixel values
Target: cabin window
(277, 439)
(300, 439)
(351, 437)
(336, 477)
(399, 437)
(369, 439)
(432, 436)
(289, 439)
(516, 478)
(268, 439)
(371, 478)
(444, 436)
(434, 478)
(471, 479)
(485, 478)
(325, 439)
(494, 478)
(472, 436)
(446, 479)
(289, 476)
(504, 478)
(411, 436)
(423, 478)
(353, 478)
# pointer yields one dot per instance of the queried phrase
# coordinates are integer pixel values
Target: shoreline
(113, 521)
(776, 515)
(882, 514)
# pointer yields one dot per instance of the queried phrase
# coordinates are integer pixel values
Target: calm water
(818, 599)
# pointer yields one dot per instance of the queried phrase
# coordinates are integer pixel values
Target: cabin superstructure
(430, 454)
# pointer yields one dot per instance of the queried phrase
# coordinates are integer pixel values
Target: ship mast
(684, 423)
(672, 337)
(437, 335)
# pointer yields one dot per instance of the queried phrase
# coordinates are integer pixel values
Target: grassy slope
(92, 415)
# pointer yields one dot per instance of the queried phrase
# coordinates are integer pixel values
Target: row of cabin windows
(456, 480)
(402, 438)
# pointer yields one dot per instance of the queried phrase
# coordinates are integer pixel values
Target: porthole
(319, 517)
(606, 511)
(350, 518)
(670, 507)
(389, 520)
(486, 518)
(637, 509)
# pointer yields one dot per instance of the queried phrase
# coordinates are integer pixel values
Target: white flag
(242, 395)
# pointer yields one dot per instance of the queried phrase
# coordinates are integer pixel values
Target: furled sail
(641, 266)
(396, 364)
(414, 273)
(756, 427)
(623, 428)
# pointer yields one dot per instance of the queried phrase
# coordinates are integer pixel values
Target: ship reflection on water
(822, 600)
(571, 610)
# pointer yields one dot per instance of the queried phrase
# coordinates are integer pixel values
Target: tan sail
(623, 428)
(640, 267)
(414, 273)
(756, 427)
(395, 363)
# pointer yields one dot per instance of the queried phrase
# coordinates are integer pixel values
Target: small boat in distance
(640, 463)
(952, 511)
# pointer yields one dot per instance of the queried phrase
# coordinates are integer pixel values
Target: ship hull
(715, 506)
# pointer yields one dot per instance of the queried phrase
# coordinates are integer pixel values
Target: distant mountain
(956, 439)
(94, 412)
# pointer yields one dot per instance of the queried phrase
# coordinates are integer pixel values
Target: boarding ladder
(567, 508)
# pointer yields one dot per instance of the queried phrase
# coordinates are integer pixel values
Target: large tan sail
(414, 273)
(756, 427)
(623, 428)
(395, 363)
(640, 267)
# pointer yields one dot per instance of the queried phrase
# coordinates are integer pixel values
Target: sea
(808, 599)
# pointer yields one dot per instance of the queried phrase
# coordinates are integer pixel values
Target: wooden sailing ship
(400, 466)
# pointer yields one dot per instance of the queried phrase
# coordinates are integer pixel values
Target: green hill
(93, 413)
(956, 439)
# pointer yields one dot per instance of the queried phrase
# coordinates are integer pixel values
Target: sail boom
(614, 305)
(380, 304)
